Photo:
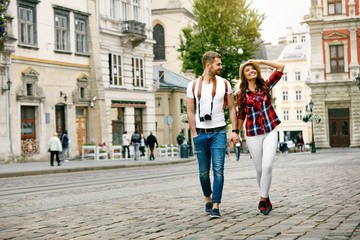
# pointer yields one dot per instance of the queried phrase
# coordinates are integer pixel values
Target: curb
(90, 168)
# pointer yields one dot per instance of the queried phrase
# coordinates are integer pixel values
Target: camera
(206, 117)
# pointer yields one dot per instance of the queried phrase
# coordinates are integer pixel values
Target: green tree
(223, 26)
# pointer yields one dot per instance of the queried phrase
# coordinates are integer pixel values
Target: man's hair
(209, 57)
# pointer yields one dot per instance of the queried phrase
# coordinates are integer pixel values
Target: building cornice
(172, 10)
(37, 60)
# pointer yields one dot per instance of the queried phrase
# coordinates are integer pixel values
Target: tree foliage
(223, 26)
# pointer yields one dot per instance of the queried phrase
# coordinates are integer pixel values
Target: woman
(254, 103)
(142, 145)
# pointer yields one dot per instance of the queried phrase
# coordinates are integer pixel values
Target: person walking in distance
(142, 145)
(150, 142)
(135, 141)
(208, 95)
(300, 141)
(180, 140)
(65, 141)
(54, 148)
(125, 145)
(254, 103)
(237, 147)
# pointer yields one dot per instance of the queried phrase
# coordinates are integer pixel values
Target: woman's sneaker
(263, 208)
(208, 207)
(215, 213)
(268, 204)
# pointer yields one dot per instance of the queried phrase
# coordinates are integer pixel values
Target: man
(180, 140)
(135, 140)
(208, 95)
(150, 142)
(125, 144)
(65, 145)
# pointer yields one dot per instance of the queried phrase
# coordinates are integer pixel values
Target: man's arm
(232, 110)
(190, 107)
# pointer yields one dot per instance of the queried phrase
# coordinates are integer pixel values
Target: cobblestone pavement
(315, 196)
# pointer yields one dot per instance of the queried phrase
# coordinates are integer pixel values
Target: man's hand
(234, 137)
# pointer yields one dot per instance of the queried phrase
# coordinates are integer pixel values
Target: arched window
(159, 46)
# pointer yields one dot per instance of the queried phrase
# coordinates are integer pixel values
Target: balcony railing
(134, 27)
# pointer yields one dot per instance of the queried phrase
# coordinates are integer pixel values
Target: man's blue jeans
(210, 148)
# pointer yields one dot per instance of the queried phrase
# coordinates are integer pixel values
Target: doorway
(60, 119)
(339, 125)
(81, 127)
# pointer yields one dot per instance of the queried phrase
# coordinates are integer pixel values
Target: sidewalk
(43, 167)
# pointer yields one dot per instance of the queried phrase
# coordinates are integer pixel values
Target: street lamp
(313, 149)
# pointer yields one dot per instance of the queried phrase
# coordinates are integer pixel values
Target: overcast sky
(279, 15)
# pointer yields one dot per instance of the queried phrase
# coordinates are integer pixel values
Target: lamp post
(313, 149)
(9, 109)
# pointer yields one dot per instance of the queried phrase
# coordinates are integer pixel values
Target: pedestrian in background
(237, 147)
(180, 140)
(254, 103)
(125, 145)
(65, 141)
(142, 145)
(208, 95)
(150, 142)
(135, 141)
(300, 141)
(54, 148)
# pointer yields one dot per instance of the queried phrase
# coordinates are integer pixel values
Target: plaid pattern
(260, 115)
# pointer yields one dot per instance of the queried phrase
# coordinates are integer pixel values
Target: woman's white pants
(263, 149)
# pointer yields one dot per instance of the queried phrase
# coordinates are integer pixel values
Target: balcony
(136, 30)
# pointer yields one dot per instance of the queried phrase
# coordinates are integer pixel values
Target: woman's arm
(279, 66)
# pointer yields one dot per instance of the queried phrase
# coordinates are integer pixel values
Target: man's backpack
(136, 137)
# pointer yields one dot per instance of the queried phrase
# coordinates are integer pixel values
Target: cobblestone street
(315, 196)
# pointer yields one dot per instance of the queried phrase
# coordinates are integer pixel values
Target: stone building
(168, 20)
(84, 66)
(335, 54)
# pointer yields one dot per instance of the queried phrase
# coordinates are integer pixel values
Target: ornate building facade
(334, 27)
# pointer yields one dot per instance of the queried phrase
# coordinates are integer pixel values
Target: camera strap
(213, 93)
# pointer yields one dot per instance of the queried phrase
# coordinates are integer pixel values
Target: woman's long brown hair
(260, 83)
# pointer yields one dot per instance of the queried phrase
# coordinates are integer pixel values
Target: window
(337, 58)
(284, 77)
(136, 10)
(299, 115)
(159, 46)
(286, 115)
(125, 10)
(294, 40)
(334, 7)
(82, 92)
(138, 120)
(118, 125)
(138, 72)
(113, 9)
(285, 96)
(62, 30)
(297, 76)
(115, 69)
(29, 89)
(81, 34)
(303, 39)
(28, 122)
(27, 23)
(298, 95)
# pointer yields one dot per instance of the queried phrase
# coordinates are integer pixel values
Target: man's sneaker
(268, 204)
(215, 213)
(263, 208)
(208, 207)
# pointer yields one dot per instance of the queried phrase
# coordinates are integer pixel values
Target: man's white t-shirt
(217, 117)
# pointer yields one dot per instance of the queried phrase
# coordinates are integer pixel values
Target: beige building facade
(334, 65)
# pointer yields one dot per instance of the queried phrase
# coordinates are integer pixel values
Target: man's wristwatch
(236, 131)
